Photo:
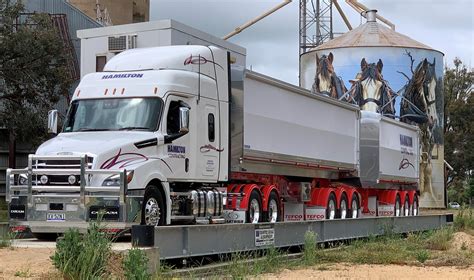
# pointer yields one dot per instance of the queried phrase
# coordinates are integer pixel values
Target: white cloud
(272, 44)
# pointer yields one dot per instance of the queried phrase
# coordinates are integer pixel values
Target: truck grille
(59, 180)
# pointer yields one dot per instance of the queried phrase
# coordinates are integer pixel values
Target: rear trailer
(281, 129)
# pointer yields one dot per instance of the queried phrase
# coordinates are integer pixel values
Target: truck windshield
(113, 114)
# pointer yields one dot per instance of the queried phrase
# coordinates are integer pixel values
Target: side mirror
(183, 120)
(53, 121)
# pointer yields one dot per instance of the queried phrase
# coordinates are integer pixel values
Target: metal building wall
(77, 20)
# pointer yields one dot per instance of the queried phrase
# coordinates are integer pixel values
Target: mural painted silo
(399, 66)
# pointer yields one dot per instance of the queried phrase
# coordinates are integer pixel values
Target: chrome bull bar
(80, 191)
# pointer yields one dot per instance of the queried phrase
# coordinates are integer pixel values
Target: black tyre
(254, 208)
(376, 207)
(355, 206)
(343, 212)
(273, 213)
(331, 207)
(406, 207)
(397, 208)
(153, 208)
(415, 211)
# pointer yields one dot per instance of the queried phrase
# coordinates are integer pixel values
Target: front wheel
(153, 208)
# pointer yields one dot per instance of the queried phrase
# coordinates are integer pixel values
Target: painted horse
(326, 81)
(371, 92)
(418, 106)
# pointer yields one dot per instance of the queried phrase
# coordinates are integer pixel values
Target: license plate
(55, 217)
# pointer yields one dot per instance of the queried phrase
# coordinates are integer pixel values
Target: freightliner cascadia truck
(176, 134)
(179, 134)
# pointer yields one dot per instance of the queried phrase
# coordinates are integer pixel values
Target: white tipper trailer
(178, 134)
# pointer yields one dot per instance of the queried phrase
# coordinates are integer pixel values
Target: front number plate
(56, 217)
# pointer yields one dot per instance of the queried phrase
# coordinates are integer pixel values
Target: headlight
(44, 179)
(72, 179)
(23, 179)
(114, 180)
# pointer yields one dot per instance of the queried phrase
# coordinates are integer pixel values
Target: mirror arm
(170, 138)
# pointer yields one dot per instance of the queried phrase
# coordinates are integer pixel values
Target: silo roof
(372, 34)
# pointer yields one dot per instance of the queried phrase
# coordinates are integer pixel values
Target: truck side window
(211, 127)
(172, 121)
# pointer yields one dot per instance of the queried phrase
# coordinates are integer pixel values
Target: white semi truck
(179, 134)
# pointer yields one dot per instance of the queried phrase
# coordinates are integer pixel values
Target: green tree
(33, 72)
(459, 125)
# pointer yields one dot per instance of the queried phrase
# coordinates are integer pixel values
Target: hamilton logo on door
(207, 148)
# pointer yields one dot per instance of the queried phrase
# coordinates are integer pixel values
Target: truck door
(178, 150)
(208, 141)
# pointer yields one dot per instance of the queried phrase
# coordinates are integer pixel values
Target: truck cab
(154, 120)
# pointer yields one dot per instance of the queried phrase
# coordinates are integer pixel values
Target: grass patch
(440, 239)
(6, 239)
(422, 256)
(430, 248)
(24, 273)
(310, 253)
(269, 260)
(83, 256)
(464, 220)
(135, 265)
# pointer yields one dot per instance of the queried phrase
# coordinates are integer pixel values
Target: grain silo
(401, 59)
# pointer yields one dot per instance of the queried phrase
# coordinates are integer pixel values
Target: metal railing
(13, 188)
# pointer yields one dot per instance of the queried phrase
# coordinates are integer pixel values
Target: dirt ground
(386, 272)
(375, 272)
(32, 263)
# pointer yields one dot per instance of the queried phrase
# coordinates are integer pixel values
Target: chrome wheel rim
(273, 211)
(397, 208)
(152, 212)
(355, 211)
(343, 210)
(415, 208)
(332, 209)
(254, 211)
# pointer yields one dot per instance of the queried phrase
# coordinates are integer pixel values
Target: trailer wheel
(355, 206)
(153, 207)
(343, 207)
(397, 208)
(331, 207)
(406, 207)
(274, 209)
(415, 209)
(254, 209)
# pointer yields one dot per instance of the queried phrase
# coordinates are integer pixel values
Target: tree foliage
(459, 125)
(33, 71)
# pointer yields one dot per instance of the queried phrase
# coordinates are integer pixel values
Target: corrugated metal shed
(372, 34)
(77, 20)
